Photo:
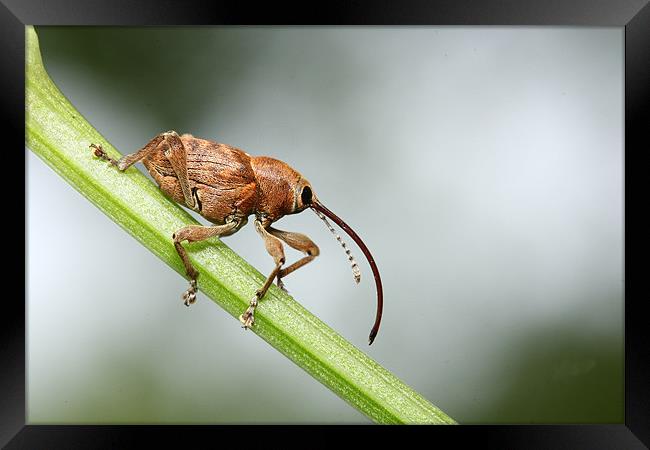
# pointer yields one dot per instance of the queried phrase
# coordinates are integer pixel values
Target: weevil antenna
(321, 211)
(356, 272)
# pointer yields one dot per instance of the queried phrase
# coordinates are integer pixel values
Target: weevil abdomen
(221, 178)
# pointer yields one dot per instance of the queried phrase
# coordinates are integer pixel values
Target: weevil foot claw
(247, 319)
(282, 286)
(189, 296)
(99, 151)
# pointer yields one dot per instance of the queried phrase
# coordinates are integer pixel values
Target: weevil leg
(301, 243)
(195, 233)
(175, 153)
(274, 248)
(127, 161)
(177, 156)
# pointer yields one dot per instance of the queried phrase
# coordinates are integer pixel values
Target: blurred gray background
(482, 166)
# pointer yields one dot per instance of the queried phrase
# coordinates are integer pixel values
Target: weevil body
(226, 185)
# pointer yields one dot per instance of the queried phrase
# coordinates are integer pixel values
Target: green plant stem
(59, 134)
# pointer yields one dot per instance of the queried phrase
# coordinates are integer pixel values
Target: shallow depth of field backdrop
(482, 166)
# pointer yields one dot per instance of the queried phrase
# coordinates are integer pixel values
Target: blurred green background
(482, 166)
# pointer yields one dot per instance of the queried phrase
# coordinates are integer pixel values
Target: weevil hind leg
(127, 161)
(274, 248)
(177, 157)
(194, 233)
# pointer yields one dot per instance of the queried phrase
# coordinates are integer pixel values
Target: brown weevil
(226, 185)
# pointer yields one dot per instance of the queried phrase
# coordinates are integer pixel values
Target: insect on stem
(183, 166)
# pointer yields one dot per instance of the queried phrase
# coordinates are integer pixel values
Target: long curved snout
(323, 212)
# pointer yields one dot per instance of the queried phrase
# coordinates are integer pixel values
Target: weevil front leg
(301, 243)
(195, 233)
(274, 248)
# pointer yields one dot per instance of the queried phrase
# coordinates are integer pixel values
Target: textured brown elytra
(226, 185)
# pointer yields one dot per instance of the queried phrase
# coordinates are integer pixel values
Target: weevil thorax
(281, 190)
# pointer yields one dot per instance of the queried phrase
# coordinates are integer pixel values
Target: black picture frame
(634, 15)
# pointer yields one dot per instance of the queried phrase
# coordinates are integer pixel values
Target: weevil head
(304, 196)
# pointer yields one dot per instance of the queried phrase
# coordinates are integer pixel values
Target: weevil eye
(305, 196)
